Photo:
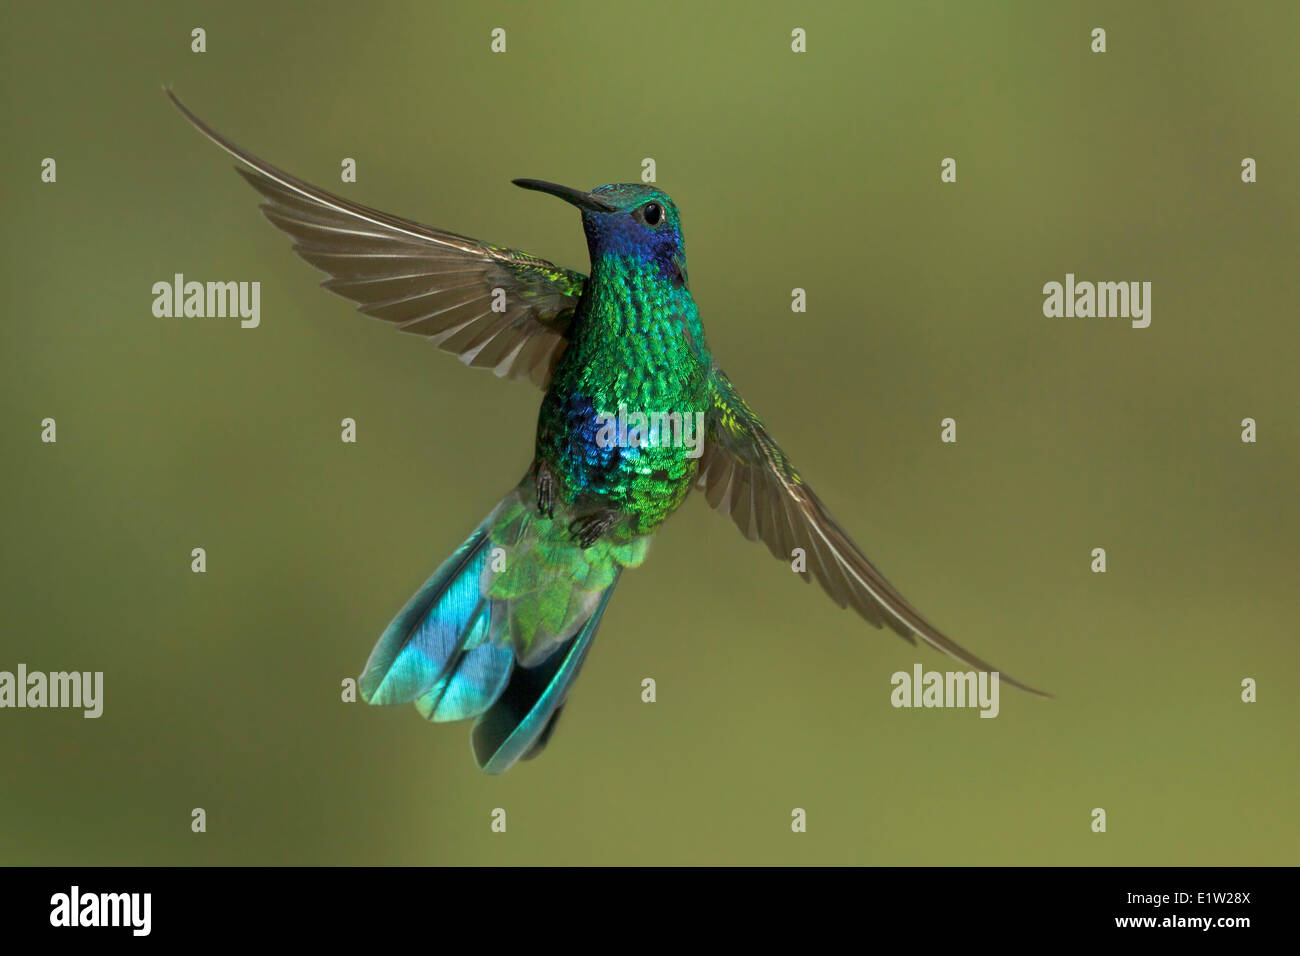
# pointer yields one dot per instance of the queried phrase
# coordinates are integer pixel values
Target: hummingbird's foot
(545, 492)
(589, 529)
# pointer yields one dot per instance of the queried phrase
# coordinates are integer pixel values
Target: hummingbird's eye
(652, 212)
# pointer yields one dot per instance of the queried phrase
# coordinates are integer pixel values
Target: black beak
(575, 196)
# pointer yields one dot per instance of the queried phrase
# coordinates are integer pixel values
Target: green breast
(621, 426)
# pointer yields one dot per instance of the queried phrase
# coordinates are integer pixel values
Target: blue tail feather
(427, 635)
(520, 720)
(473, 680)
(449, 651)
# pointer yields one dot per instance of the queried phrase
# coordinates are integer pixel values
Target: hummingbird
(500, 630)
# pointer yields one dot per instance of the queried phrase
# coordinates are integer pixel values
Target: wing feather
(746, 475)
(426, 281)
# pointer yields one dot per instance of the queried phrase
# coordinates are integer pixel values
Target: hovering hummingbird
(501, 629)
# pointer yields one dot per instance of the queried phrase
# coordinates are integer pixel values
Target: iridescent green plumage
(637, 344)
(501, 629)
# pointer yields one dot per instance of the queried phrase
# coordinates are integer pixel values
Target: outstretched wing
(423, 280)
(745, 474)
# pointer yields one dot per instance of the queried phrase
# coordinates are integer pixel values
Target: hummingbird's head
(627, 219)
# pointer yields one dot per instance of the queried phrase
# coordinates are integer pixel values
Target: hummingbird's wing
(745, 474)
(424, 280)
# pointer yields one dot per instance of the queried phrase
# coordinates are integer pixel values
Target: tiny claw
(589, 529)
(545, 492)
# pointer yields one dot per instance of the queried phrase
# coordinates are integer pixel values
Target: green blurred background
(819, 171)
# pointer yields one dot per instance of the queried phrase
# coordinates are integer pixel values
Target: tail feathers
(520, 722)
(471, 682)
(540, 743)
(437, 648)
(498, 632)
